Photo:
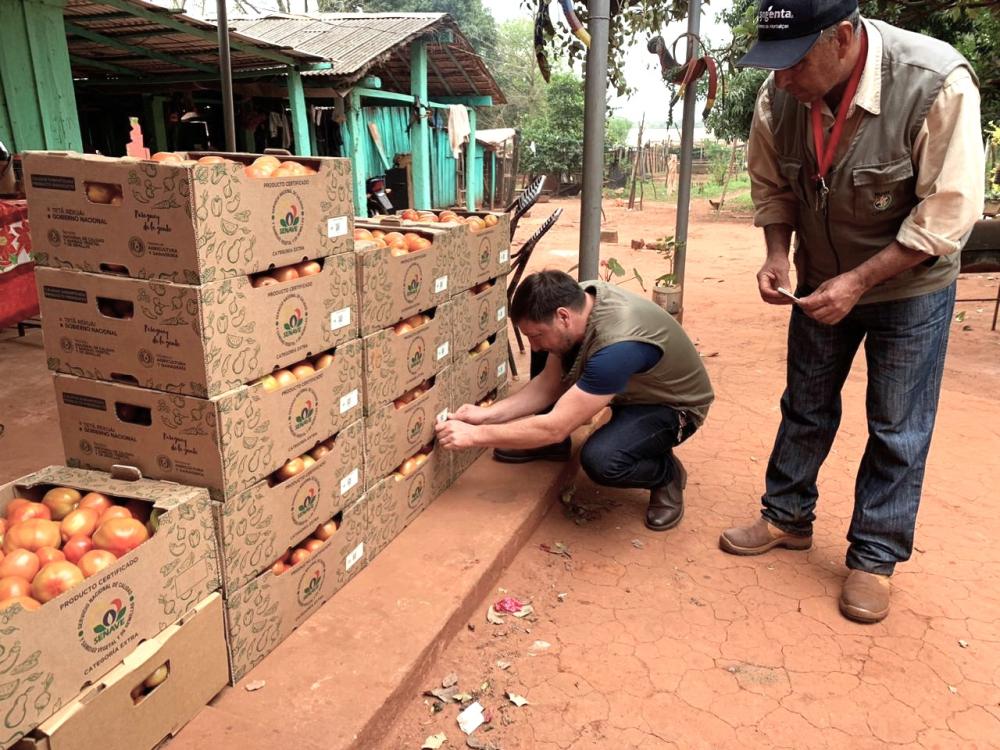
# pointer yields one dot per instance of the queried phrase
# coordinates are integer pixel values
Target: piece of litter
(449, 680)
(517, 700)
(493, 617)
(556, 549)
(638, 543)
(462, 697)
(434, 742)
(473, 744)
(526, 610)
(254, 685)
(953, 690)
(538, 646)
(445, 695)
(562, 597)
(471, 718)
(503, 664)
(508, 605)
(963, 644)
(710, 355)
(753, 458)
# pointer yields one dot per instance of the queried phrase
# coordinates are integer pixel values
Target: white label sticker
(349, 401)
(336, 227)
(501, 313)
(501, 369)
(440, 284)
(442, 416)
(340, 318)
(504, 256)
(355, 555)
(442, 351)
(350, 481)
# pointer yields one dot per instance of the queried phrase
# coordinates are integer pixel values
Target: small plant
(665, 247)
(611, 268)
(993, 162)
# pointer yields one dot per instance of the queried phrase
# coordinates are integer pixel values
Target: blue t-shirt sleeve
(608, 370)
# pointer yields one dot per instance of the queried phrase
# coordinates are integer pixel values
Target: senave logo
(107, 615)
(302, 412)
(287, 216)
(291, 319)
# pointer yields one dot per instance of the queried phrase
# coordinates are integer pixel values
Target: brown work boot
(760, 537)
(666, 502)
(865, 597)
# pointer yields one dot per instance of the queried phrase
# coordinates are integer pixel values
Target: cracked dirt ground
(663, 641)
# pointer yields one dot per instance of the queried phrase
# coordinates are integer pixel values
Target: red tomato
(76, 547)
(325, 530)
(54, 579)
(27, 510)
(32, 534)
(49, 554)
(299, 555)
(21, 563)
(95, 561)
(279, 567)
(27, 602)
(80, 521)
(120, 535)
(95, 500)
(115, 511)
(12, 586)
(313, 544)
(60, 501)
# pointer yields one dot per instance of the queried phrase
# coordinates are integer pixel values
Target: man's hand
(774, 273)
(470, 414)
(834, 298)
(454, 434)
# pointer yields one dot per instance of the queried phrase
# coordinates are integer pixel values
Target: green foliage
(556, 130)
(993, 161)
(617, 132)
(522, 84)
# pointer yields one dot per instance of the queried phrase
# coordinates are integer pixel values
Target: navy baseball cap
(787, 30)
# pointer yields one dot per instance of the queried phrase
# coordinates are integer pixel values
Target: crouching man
(606, 346)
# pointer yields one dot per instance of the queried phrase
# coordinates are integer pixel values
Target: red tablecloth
(18, 299)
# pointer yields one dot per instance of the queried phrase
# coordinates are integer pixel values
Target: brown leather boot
(666, 502)
(760, 537)
(865, 597)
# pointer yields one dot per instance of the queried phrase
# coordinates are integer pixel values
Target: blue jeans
(634, 449)
(905, 343)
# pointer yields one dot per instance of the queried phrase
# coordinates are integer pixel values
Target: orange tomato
(303, 371)
(54, 579)
(309, 268)
(26, 511)
(15, 503)
(312, 544)
(362, 234)
(267, 163)
(290, 469)
(408, 467)
(12, 586)
(100, 192)
(299, 555)
(401, 328)
(285, 273)
(32, 534)
(397, 251)
(420, 459)
(115, 511)
(319, 451)
(49, 554)
(29, 604)
(211, 160)
(268, 383)
(419, 244)
(395, 238)
(491, 220)
(263, 281)
(95, 500)
(157, 678)
(166, 157)
(409, 214)
(284, 378)
(22, 563)
(323, 361)
(378, 234)
(95, 561)
(279, 567)
(325, 530)
(80, 521)
(76, 547)
(120, 536)
(256, 173)
(307, 461)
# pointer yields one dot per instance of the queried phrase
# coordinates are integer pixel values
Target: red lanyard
(824, 157)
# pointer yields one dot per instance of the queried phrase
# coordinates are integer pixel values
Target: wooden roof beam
(108, 41)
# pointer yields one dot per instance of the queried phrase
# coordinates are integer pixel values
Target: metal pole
(226, 74)
(687, 156)
(595, 104)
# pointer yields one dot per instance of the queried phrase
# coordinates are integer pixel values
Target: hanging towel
(459, 129)
(273, 124)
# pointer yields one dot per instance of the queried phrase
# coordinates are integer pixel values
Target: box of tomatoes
(92, 565)
(461, 460)
(196, 340)
(151, 694)
(226, 443)
(262, 524)
(265, 611)
(190, 218)
(400, 357)
(402, 272)
(481, 368)
(397, 430)
(482, 310)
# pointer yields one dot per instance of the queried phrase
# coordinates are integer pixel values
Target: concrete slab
(345, 674)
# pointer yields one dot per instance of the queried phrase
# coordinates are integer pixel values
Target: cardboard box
(395, 501)
(481, 313)
(191, 224)
(266, 611)
(392, 288)
(481, 373)
(51, 654)
(463, 459)
(481, 255)
(227, 443)
(196, 340)
(394, 434)
(106, 716)
(258, 525)
(396, 363)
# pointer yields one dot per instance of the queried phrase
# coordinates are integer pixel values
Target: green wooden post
(6, 132)
(160, 124)
(493, 180)
(300, 113)
(420, 134)
(36, 75)
(473, 176)
(359, 162)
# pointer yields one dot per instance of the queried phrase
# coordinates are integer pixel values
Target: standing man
(866, 142)
(605, 346)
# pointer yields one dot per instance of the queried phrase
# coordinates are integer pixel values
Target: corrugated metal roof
(133, 38)
(360, 44)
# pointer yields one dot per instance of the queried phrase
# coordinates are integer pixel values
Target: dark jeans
(634, 449)
(904, 343)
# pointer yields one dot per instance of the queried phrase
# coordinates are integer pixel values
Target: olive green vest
(678, 380)
(872, 187)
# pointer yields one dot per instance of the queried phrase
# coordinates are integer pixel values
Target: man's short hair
(540, 294)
